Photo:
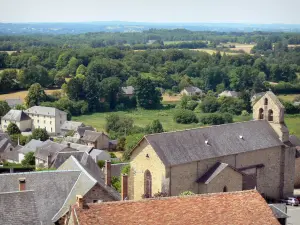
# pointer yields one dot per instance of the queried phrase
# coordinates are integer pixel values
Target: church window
(270, 115)
(225, 189)
(148, 184)
(261, 114)
(266, 101)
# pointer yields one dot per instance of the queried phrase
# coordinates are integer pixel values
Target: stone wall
(97, 193)
(297, 173)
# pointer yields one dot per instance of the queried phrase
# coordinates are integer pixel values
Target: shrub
(40, 134)
(112, 155)
(101, 163)
(228, 118)
(116, 183)
(121, 144)
(12, 128)
(185, 193)
(210, 104)
(185, 116)
(126, 169)
(154, 127)
(29, 159)
(245, 113)
(216, 118)
(191, 105)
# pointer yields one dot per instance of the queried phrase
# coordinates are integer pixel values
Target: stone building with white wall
(230, 157)
(20, 118)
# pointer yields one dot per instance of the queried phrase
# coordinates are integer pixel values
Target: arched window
(225, 189)
(261, 114)
(148, 184)
(266, 101)
(270, 115)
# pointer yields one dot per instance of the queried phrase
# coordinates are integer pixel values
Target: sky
(176, 11)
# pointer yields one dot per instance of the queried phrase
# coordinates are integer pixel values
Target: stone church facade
(230, 157)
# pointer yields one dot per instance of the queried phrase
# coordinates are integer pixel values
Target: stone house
(191, 90)
(128, 91)
(80, 131)
(48, 118)
(13, 102)
(208, 209)
(31, 146)
(230, 157)
(70, 126)
(98, 140)
(20, 118)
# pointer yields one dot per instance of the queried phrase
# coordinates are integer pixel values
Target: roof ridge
(177, 197)
(43, 171)
(12, 192)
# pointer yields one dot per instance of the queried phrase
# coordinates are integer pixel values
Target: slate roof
(49, 148)
(209, 209)
(51, 189)
(16, 115)
(97, 154)
(12, 102)
(91, 136)
(214, 171)
(278, 210)
(18, 208)
(295, 141)
(192, 89)
(11, 155)
(63, 156)
(129, 90)
(116, 169)
(45, 111)
(229, 94)
(274, 99)
(257, 95)
(5, 143)
(81, 130)
(31, 146)
(179, 147)
(91, 175)
(71, 125)
(79, 147)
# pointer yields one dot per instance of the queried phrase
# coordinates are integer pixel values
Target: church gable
(269, 108)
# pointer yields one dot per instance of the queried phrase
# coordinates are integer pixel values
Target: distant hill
(119, 26)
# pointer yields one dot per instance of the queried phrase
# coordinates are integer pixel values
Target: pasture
(245, 47)
(22, 94)
(289, 97)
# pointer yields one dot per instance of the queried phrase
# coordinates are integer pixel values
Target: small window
(270, 115)
(50, 122)
(225, 189)
(38, 121)
(51, 129)
(44, 121)
(261, 114)
(266, 101)
(5, 121)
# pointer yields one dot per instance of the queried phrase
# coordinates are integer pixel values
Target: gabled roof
(63, 156)
(6, 144)
(274, 98)
(192, 89)
(92, 136)
(31, 146)
(214, 171)
(45, 111)
(49, 148)
(98, 154)
(18, 208)
(51, 189)
(81, 130)
(129, 90)
(209, 209)
(79, 147)
(71, 125)
(12, 102)
(185, 146)
(16, 115)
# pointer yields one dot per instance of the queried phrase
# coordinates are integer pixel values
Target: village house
(69, 126)
(20, 118)
(31, 146)
(230, 157)
(232, 94)
(191, 91)
(98, 140)
(48, 118)
(208, 209)
(128, 91)
(80, 131)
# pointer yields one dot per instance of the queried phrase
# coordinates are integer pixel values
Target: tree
(72, 65)
(91, 89)
(29, 159)
(12, 128)
(4, 108)
(36, 74)
(148, 97)
(8, 81)
(209, 104)
(74, 88)
(35, 96)
(118, 124)
(81, 70)
(109, 88)
(40, 134)
(154, 127)
(121, 144)
(185, 116)
(101, 163)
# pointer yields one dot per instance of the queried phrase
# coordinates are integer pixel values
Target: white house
(47, 117)
(21, 119)
(191, 90)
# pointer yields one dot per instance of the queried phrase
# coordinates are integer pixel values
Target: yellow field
(22, 94)
(245, 47)
(212, 51)
(290, 97)
(167, 98)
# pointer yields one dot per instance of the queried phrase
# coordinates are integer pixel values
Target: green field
(290, 97)
(144, 117)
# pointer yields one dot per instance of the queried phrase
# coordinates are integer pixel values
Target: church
(231, 157)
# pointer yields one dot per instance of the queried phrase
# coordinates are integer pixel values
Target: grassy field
(288, 97)
(245, 47)
(293, 123)
(212, 51)
(142, 118)
(22, 94)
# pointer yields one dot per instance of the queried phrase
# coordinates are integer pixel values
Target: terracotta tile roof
(235, 208)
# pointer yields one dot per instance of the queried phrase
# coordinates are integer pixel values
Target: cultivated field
(290, 97)
(245, 47)
(9, 52)
(167, 98)
(22, 94)
(212, 51)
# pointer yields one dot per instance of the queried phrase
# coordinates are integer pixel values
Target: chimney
(69, 144)
(124, 190)
(79, 201)
(107, 172)
(22, 184)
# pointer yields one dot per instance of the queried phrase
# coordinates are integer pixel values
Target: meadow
(22, 94)
(289, 97)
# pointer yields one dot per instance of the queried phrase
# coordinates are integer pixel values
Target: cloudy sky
(238, 11)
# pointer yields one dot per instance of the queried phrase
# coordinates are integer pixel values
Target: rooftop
(71, 125)
(208, 209)
(16, 115)
(92, 135)
(45, 111)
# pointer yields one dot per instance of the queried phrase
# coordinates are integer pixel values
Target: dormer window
(266, 101)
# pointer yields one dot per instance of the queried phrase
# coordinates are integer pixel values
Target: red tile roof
(235, 208)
